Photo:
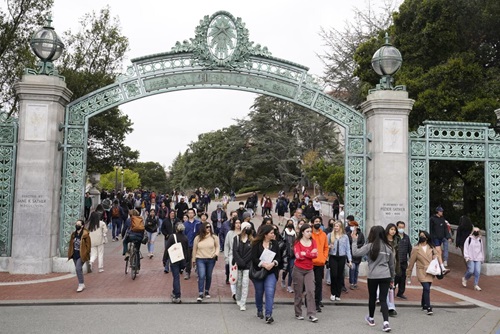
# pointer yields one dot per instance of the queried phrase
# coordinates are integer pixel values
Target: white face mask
(401, 230)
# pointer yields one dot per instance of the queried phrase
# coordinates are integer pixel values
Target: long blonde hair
(340, 233)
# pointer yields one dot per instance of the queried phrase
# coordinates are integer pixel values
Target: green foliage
(93, 59)
(109, 180)
(17, 24)
(152, 176)
(329, 175)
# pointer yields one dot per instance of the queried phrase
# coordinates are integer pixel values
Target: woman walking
(234, 231)
(422, 255)
(339, 253)
(205, 250)
(464, 230)
(79, 251)
(474, 256)
(242, 256)
(289, 235)
(98, 231)
(393, 239)
(305, 251)
(266, 257)
(152, 230)
(176, 267)
(380, 271)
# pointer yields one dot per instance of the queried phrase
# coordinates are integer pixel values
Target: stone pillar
(35, 232)
(386, 112)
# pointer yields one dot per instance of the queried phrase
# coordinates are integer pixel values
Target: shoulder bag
(175, 252)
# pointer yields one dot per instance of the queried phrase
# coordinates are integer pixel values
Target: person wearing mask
(218, 217)
(474, 256)
(319, 261)
(404, 254)
(176, 267)
(151, 227)
(421, 256)
(79, 251)
(305, 251)
(98, 231)
(242, 256)
(393, 239)
(265, 240)
(317, 206)
(241, 210)
(356, 260)
(191, 229)
(339, 253)
(440, 236)
(181, 208)
(228, 248)
(309, 211)
(205, 250)
(289, 237)
(463, 232)
(380, 271)
(168, 226)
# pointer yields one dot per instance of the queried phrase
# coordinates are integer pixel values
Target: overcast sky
(165, 124)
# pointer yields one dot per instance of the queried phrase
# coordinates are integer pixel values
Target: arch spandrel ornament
(220, 56)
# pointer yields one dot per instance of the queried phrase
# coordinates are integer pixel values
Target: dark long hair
(263, 231)
(376, 237)
(202, 233)
(301, 232)
(388, 228)
(465, 223)
(428, 237)
(94, 221)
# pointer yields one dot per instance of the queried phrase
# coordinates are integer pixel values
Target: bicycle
(133, 260)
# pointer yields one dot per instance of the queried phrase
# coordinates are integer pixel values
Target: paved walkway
(153, 286)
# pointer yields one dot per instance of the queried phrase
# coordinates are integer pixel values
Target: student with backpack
(116, 213)
(474, 256)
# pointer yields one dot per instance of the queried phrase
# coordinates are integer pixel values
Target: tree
(152, 175)
(451, 66)
(131, 180)
(341, 46)
(93, 59)
(17, 24)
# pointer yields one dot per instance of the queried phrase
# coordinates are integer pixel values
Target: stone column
(35, 232)
(386, 112)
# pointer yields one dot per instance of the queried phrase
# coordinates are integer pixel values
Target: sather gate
(220, 56)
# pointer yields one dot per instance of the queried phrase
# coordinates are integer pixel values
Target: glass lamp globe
(387, 60)
(46, 44)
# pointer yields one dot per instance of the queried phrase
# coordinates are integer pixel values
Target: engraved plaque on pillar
(393, 135)
(37, 116)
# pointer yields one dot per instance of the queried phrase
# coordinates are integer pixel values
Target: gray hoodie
(383, 266)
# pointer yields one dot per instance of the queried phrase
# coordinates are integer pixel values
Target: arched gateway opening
(220, 56)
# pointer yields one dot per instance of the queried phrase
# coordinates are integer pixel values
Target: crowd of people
(301, 254)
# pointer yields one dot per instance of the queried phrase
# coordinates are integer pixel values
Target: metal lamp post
(116, 178)
(386, 61)
(123, 189)
(48, 47)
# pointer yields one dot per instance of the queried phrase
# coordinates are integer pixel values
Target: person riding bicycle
(135, 234)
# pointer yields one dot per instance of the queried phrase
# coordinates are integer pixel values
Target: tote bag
(175, 252)
(233, 274)
(434, 268)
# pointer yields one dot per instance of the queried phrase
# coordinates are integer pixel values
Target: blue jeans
(267, 286)
(353, 273)
(426, 295)
(205, 268)
(117, 227)
(473, 268)
(79, 269)
(176, 274)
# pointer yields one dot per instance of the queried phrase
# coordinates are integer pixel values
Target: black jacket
(242, 253)
(213, 218)
(439, 228)
(184, 242)
(168, 226)
(151, 224)
(257, 251)
(404, 248)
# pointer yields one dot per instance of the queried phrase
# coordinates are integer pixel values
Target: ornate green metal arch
(220, 56)
(8, 148)
(455, 141)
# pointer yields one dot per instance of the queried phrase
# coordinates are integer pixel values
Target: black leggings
(383, 284)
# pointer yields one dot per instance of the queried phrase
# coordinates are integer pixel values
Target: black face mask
(78, 227)
(475, 233)
(248, 231)
(317, 226)
(422, 240)
(290, 227)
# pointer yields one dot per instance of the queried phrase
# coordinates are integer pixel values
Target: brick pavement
(152, 285)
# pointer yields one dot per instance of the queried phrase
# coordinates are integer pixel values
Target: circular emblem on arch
(222, 36)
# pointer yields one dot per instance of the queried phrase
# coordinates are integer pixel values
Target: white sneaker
(101, 270)
(289, 289)
(337, 299)
(243, 308)
(464, 282)
(477, 288)
(445, 263)
(80, 287)
(332, 298)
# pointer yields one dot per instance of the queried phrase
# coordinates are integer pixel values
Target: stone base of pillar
(490, 269)
(4, 264)
(30, 265)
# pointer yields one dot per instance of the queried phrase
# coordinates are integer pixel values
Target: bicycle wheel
(126, 267)
(133, 265)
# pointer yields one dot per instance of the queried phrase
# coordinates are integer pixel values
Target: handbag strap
(175, 238)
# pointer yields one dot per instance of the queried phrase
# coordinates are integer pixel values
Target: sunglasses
(208, 227)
